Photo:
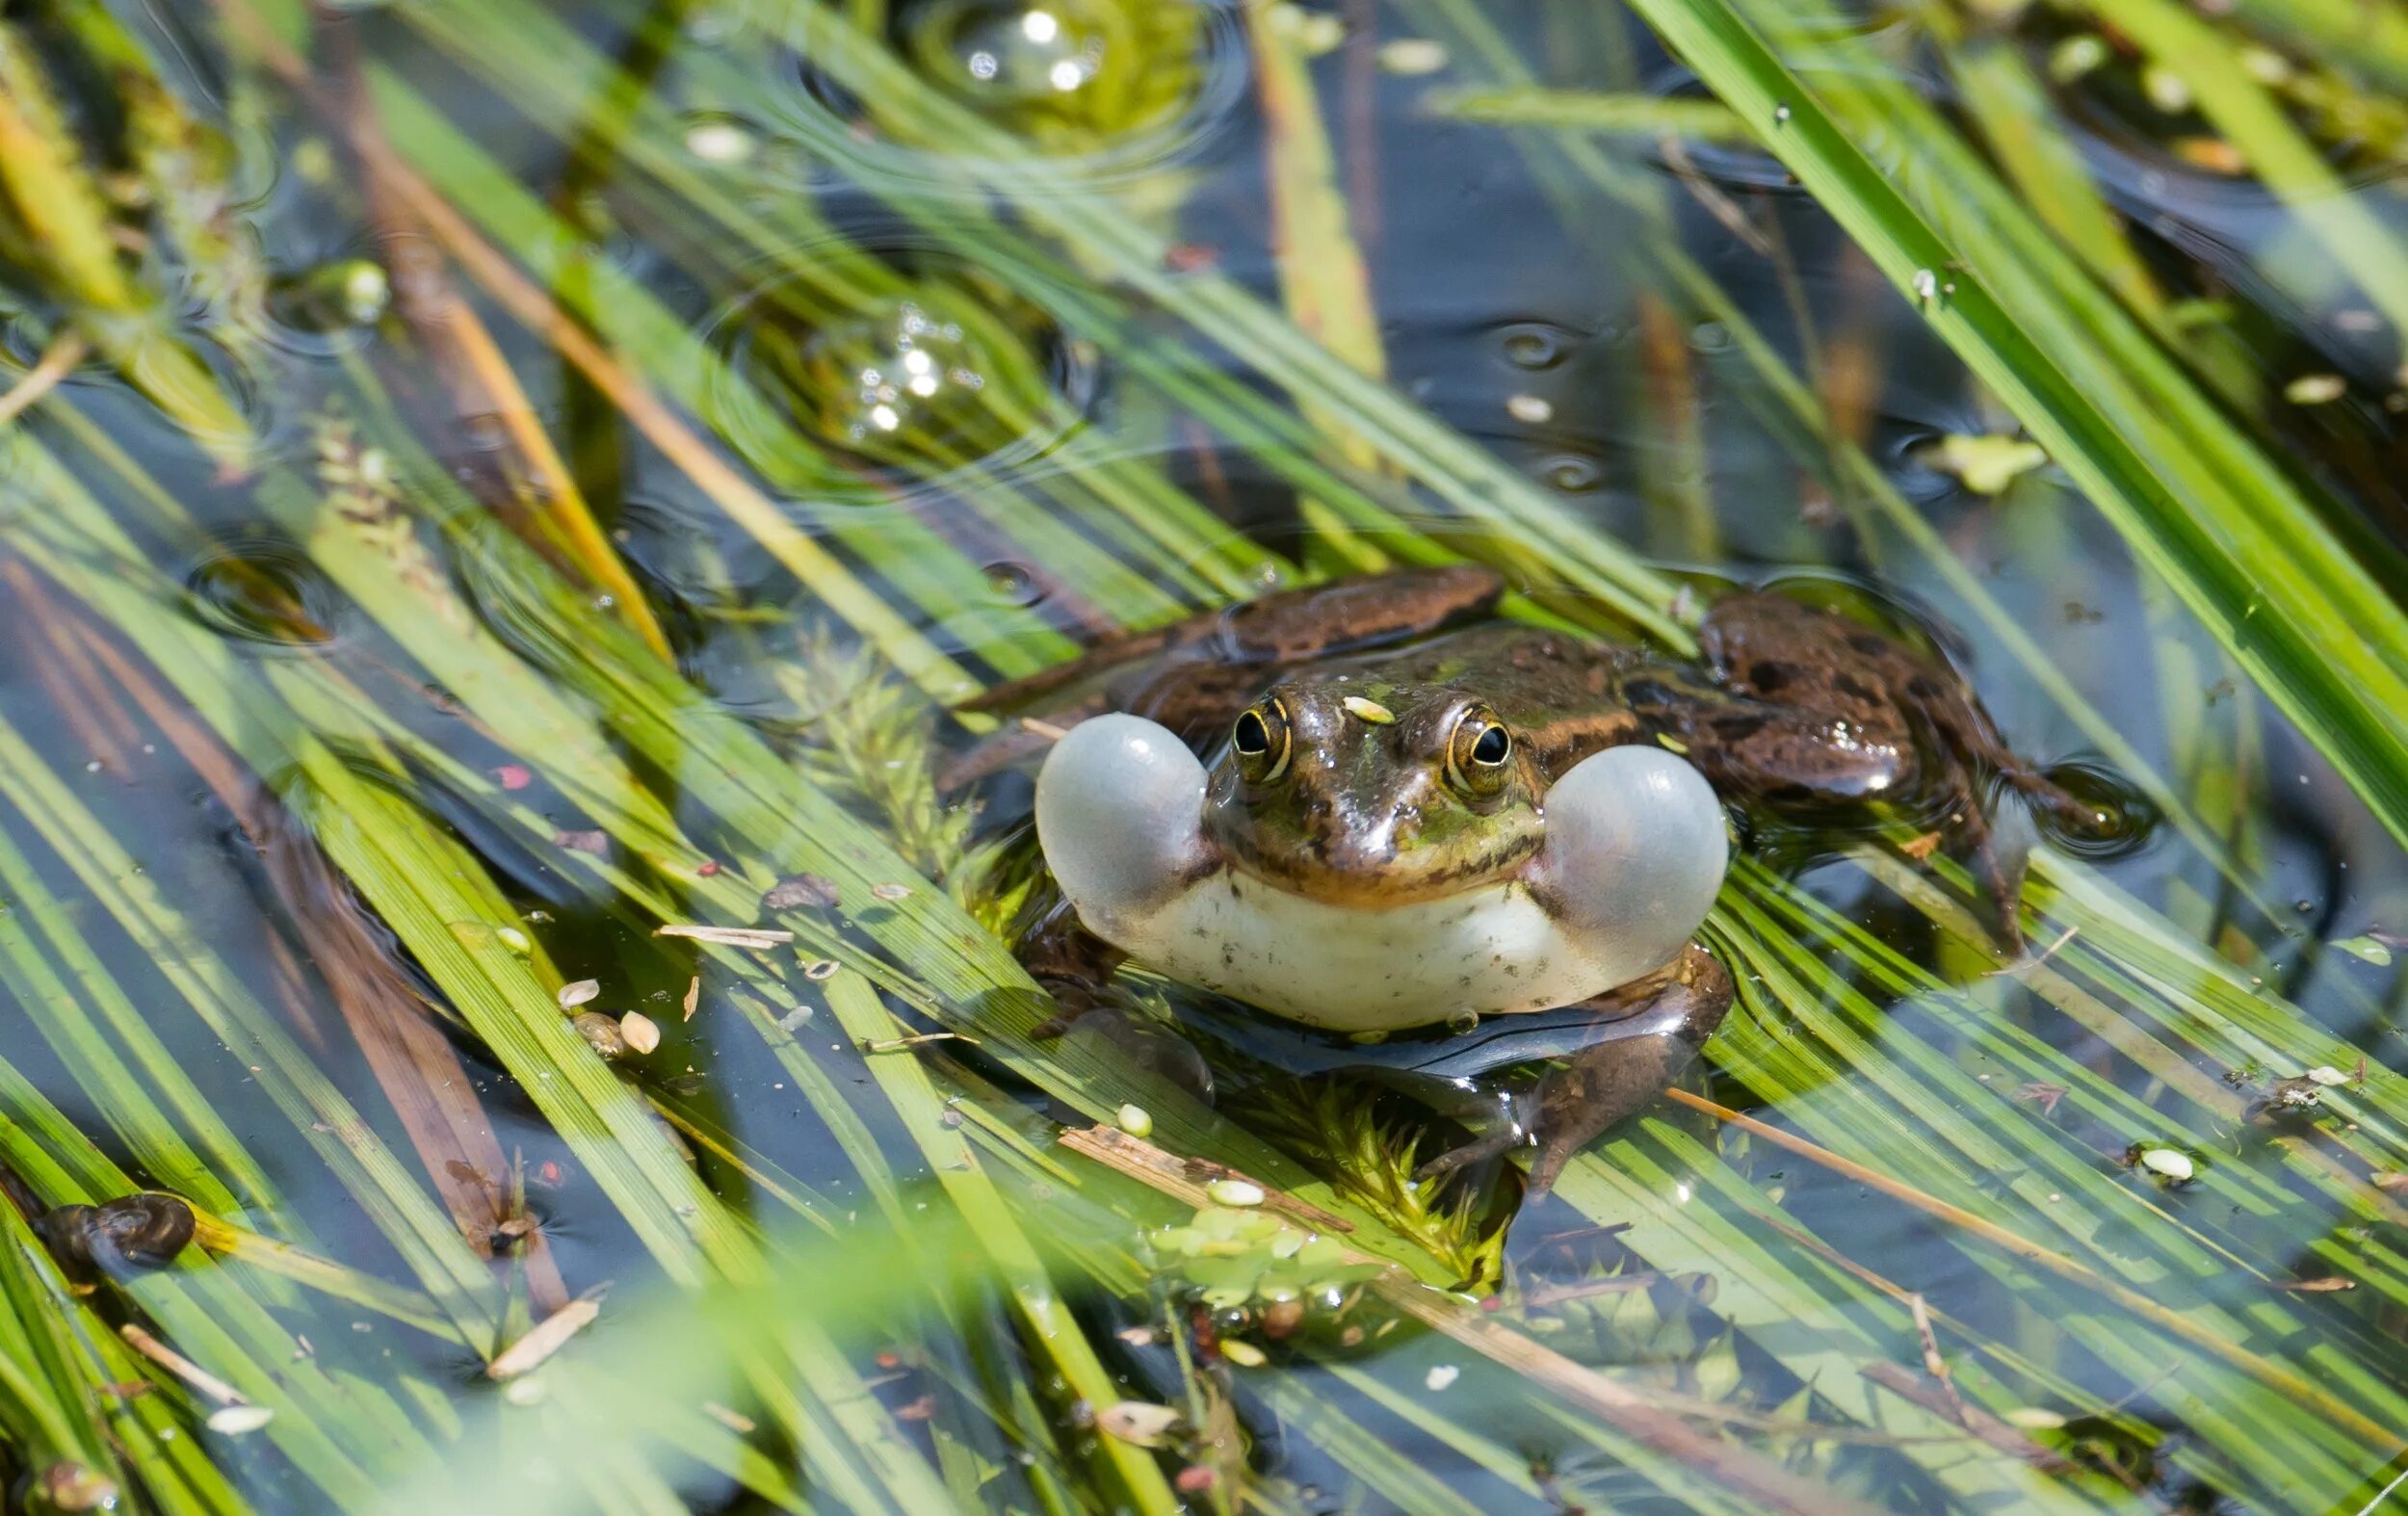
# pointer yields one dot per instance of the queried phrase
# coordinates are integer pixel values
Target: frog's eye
(1259, 740)
(1479, 756)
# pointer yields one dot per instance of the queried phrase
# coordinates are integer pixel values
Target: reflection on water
(413, 376)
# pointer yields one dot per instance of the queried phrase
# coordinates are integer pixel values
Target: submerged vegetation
(499, 502)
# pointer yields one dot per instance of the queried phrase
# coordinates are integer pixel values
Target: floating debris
(1529, 409)
(545, 1338)
(2032, 1417)
(1986, 465)
(516, 941)
(2315, 389)
(530, 1391)
(820, 970)
(594, 842)
(183, 1368)
(1136, 1120)
(2330, 1283)
(1412, 57)
(891, 891)
(1371, 711)
(577, 992)
(601, 1033)
(693, 997)
(2372, 948)
(2295, 1094)
(1138, 1422)
(1926, 286)
(1314, 32)
(795, 891)
(2327, 1075)
(1440, 1376)
(1234, 1191)
(234, 1421)
(736, 1422)
(639, 1032)
(729, 936)
(1242, 1353)
(512, 776)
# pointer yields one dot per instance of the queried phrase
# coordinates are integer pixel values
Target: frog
(1431, 842)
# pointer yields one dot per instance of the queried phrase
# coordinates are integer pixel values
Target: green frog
(1444, 843)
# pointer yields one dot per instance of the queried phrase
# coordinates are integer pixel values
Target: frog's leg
(1834, 710)
(1681, 1004)
(1068, 962)
(1196, 675)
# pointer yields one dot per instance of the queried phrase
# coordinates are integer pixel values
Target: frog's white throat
(1633, 852)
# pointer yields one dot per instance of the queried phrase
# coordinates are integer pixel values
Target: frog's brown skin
(1789, 707)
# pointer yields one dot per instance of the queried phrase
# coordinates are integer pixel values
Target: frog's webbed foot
(1665, 1018)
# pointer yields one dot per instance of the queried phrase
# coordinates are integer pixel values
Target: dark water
(1010, 420)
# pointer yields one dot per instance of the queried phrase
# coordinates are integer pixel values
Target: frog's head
(1368, 793)
(1369, 858)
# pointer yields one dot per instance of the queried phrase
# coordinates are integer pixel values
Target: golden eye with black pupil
(1480, 753)
(1259, 740)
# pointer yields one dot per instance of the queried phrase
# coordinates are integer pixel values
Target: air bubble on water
(1014, 584)
(1532, 348)
(1571, 475)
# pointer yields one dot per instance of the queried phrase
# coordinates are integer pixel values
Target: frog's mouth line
(1633, 854)
(1368, 890)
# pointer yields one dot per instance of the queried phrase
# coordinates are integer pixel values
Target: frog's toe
(1504, 1137)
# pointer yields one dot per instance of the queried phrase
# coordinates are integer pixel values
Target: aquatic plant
(497, 502)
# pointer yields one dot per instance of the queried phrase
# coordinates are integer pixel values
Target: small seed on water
(1136, 1121)
(2174, 1165)
(1235, 1192)
(516, 941)
(1246, 1355)
(1371, 711)
(639, 1031)
(891, 891)
(233, 1420)
(1412, 56)
(579, 991)
(1441, 1377)
(1529, 409)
